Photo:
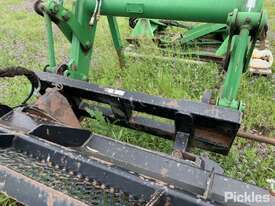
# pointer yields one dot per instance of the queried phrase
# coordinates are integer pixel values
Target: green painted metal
(147, 28)
(221, 51)
(71, 21)
(75, 26)
(65, 30)
(80, 56)
(116, 39)
(51, 53)
(241, 16)
(155, 29)
(200, 31)
(208, 11)
(235, 69)
(144, 29)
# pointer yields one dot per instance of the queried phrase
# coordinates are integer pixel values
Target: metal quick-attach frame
(140, 173)
(210, 127)
(245, 20)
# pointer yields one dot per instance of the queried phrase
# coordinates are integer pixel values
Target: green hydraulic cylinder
(211, 11)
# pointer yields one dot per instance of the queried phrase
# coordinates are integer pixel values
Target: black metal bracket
(39, 127)
(121, 111)
(4, 110)
(213, 128)
(184, 128)
(6, 140)
(65, 136)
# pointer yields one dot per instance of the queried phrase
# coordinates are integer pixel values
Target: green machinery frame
(245, 19)
(192, 35)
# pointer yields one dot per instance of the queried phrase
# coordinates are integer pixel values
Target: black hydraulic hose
(21, 71)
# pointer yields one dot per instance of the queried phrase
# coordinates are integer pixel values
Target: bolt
(87, 45)
(247, 20)
(74, 67)
(53, 7)
(65, 16)
(84, 77)
(56, 8)
(177, 154)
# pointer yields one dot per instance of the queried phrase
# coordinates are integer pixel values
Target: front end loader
(47, 158)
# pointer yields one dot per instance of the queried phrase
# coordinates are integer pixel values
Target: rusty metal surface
(20, 121)
(257, 138)
(172, 56)
(33, 121)
(56, 105)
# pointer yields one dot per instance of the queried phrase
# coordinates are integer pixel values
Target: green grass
(6, 201)
(22, 42)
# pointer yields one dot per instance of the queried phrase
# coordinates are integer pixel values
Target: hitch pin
(36, 91)
(58, 86)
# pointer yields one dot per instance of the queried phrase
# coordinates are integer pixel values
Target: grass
(22, 42)
(6, 201)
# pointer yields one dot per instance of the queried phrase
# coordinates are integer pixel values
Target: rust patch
(172, 103)
(164, 172)
(211, 135)
(56, 105)
(50, 200)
